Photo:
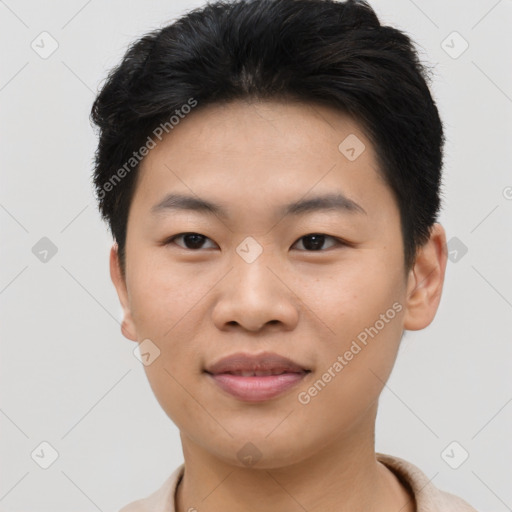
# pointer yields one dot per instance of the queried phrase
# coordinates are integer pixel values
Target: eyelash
(338, 241)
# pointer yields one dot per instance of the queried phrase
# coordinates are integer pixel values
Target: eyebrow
(327, 202)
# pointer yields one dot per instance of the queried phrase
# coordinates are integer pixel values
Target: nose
(255, 296)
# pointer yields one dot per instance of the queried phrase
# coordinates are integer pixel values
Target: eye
(192, 241)
(314, 241)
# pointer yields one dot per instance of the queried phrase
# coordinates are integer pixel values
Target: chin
(259, 452)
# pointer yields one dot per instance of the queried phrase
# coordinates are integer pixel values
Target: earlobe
(127, 325)
(425, 282)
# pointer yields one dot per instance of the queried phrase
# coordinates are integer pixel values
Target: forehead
(265, 127)
(262, 152)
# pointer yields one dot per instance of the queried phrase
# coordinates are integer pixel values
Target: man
(270, 172)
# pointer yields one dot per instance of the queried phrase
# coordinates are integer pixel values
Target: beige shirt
(428, 497)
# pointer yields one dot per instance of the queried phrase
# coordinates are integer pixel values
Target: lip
(275, 375)
(265, 361)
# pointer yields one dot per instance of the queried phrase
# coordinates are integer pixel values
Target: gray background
(68, 376)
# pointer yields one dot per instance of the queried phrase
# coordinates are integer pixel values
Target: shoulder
(161, 500)
(428, 497)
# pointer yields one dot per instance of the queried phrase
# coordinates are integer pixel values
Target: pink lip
(285, 373)
(243, 361)
(257, 389)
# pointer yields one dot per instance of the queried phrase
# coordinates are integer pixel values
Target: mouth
(256, 373)
(256, 378)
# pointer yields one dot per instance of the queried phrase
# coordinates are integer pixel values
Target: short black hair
(326, 51)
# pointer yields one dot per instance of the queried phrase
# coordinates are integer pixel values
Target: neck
(342, 476)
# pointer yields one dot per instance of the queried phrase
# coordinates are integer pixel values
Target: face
(323, 287)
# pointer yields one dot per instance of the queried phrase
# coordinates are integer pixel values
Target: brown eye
(191, 241)
(315, 241)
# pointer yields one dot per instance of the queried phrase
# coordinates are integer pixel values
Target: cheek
(353, 369)
(169, 388)
(371, 325)
(162, 297)
(364, 311)
(351, 295)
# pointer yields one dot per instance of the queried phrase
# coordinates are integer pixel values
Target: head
(255, 110)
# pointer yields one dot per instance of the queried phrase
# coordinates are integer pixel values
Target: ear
(127, 325)
(425, 281)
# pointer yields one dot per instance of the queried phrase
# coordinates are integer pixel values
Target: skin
(201, 304)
